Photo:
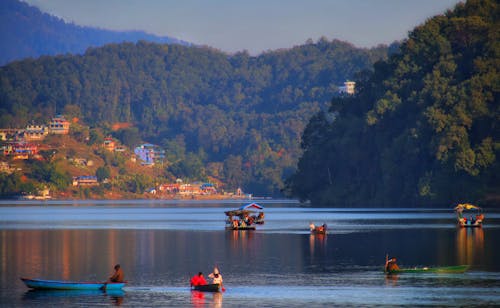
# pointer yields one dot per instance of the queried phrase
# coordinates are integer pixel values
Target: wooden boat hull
(215, 287)
(468, 224)
(42, 284)
(437, 270)
(240, 228)
(318, 231)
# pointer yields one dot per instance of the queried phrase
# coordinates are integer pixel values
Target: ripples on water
(280, 265)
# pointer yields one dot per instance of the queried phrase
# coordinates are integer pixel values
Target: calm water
(160, 245)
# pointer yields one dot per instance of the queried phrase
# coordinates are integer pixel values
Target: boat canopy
(245, 209)
(251, 206)
(466, 206)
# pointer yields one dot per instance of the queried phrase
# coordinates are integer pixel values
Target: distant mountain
(28, 32)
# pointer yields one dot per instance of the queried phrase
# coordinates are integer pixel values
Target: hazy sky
(254, 25)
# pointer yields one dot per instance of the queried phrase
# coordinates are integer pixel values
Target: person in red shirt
(198, 280)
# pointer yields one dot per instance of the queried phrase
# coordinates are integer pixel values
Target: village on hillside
(30, 143)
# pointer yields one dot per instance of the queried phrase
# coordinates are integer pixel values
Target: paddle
(386, 260)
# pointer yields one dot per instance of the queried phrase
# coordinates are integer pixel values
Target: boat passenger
(118, 275)
(198, 280)
(216, 276)
(390, 265)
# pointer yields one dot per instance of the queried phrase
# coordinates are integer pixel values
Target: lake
(161, 244)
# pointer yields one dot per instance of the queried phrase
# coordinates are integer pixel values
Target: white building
(348, 87)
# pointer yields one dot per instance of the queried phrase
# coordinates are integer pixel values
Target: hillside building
(59, 126)
(20, 150)
(85, 180)
(35, 132)
(109, 144)
(349, 88)
(149, 154)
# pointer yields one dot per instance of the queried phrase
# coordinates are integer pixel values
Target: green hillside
(236, 118)
(423, 129)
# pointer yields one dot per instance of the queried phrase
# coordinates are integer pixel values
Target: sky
(254, 25)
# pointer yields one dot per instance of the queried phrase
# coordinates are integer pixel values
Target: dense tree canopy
(423, 128)
(240, 115)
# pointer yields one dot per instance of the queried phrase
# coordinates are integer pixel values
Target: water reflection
(115, 296)
(470, 245)
(316, 240)
(391, 280)
(240, 238)
(217, 300)
(198, 299)
(29, 251)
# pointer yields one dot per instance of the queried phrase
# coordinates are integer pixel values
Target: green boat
(436, 270)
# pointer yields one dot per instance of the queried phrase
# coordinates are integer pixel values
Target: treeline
(423, 129)
(236, 118)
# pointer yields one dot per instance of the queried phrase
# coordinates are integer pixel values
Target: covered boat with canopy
(476, 216)
(245, 218)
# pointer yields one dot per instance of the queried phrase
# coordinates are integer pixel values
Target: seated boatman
(198, 280)
(390, 265)
(118, 275)
(216, 276)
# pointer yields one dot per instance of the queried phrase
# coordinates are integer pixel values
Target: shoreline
(151, 200)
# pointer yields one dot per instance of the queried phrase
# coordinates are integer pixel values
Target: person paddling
(390, 265)
(216, 278)
(118, 275)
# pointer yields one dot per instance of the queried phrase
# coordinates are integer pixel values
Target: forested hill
(236, 118)
(423, 129)
(27, 32)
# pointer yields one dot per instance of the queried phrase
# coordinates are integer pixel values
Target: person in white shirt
(216, 276)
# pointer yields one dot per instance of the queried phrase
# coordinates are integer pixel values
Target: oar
(386, 260)
(103, 288)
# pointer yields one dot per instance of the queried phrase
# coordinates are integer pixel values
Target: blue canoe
(42, 284)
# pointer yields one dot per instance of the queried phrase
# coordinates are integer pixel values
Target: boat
(214, 287)
(43, 284)
(36, 294)
(475, 219)
(458, 269)
(245, 218)
(318, 229)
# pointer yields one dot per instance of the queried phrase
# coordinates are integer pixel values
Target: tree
(103, 173)
(420, 130)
